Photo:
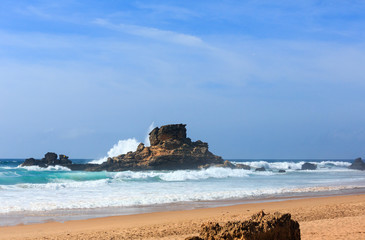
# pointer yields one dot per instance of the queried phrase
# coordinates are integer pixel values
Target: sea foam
(183, 175)
(49, 168)
(291, 165)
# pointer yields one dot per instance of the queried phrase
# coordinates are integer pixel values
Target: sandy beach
(338, 217)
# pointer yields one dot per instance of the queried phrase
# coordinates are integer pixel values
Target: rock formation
(309, 166)
(261, 226)
(170, 150)
(358, 164)
(50, 159)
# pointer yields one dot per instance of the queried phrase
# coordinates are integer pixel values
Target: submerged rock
(309, 166)
(358, 164)
(243, 166)
(261, 169)
(261, 226)
(282, 171)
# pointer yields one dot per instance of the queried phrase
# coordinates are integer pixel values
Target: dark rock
(167, 132)
(50, 159)
(309, 166)
(261, 169)
(261, 226)
(33, 162)
(358, 164)
(64, 160)
(282, 171)
(243, 166)
(140, 147)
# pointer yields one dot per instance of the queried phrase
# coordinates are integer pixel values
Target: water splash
(124, 146)
(147, 138)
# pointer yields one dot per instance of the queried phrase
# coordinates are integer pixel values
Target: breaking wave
(124, 146)
(53, 200)
(183, 175)
(49, 168)
(294, 165)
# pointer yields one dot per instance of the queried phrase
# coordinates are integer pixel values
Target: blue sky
(255, 79)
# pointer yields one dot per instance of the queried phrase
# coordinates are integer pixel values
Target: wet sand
(337, 217)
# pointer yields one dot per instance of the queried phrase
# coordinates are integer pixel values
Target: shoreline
(64, 215)
(319, 218)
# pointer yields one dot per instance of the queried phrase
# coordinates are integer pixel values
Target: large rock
(33, 162)
(309, 166)
(50, 159)
(170, 150)
(358, 164)
(261, 226)
(167, 132)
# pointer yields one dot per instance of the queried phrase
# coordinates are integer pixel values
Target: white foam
(184, 175)
(49, 168)
(64, 184)
(287, 165)
(122, 147)
(98, 197)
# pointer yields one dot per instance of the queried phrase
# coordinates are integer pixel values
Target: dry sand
(339, 217)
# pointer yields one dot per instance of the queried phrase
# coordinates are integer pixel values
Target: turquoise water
(35, 190)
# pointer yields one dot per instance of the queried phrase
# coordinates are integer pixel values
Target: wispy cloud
(152, 33)
(36, 11)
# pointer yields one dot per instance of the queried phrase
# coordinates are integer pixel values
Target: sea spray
(124, 146)
(147, 138)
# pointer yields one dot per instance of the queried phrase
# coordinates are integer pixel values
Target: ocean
(32, 194)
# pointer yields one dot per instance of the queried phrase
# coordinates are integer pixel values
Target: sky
(255, 79)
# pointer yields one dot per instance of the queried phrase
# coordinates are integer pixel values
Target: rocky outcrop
(358, 164)
(261, 226)
(309, 166)
(50, 159)
(170, 150)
